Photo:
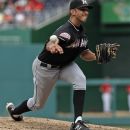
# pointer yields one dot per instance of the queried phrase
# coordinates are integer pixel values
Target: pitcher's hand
(53, 46)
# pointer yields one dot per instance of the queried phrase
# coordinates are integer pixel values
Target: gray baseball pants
(45, 78)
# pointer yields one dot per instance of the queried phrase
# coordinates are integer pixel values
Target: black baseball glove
(105, 52)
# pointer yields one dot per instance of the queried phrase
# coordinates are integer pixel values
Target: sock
(21, 108)
(78, 101)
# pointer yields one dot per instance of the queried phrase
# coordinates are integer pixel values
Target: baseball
(53, 38)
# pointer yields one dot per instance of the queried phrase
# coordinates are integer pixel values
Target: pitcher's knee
(80, 83)
(34, 105)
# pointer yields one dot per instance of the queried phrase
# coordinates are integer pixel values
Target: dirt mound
(30, 123)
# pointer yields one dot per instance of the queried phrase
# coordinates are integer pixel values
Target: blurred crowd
(20, 12)
(26, 13)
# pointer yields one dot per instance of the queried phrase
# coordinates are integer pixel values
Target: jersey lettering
(83, 43)
(78, 43)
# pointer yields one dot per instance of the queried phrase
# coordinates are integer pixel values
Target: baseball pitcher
(57, 62)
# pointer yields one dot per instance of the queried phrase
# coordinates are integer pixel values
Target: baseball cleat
(10, 107)
(80, 125)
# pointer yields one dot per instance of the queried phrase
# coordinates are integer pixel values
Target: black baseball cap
(80, 4)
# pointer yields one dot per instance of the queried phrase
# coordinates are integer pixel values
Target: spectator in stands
(34, 10)
(20, 17)
(2, 5)
(1, 18)
(128, 95)
(9, 12)
(106, 90)
(34, 5)
(20, 5)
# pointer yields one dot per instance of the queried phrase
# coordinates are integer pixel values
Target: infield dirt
(31, 123)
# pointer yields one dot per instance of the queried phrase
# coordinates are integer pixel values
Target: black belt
(49, 65)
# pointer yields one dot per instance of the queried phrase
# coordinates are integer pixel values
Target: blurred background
(24, 27)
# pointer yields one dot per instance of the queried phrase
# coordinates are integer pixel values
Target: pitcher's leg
(44, 80)
(42, 90)
(74, 75)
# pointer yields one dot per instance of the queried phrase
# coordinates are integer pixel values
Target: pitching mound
(30, 123)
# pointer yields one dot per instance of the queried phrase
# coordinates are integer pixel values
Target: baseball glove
(105, 52)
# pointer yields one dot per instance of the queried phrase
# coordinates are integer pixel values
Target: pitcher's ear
(72, 11)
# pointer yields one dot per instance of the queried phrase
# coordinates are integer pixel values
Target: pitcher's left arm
(88, 55)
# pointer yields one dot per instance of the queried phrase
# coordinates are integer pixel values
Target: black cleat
(10, 107)
(80, 125)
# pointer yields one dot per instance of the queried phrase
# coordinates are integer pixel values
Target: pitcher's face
(81, 14)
